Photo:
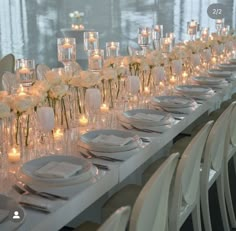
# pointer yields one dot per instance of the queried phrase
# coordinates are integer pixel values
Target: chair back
(9, 81)
(232, 126)
(41, 70)
(186, 184)
(150, 210)
(215, 145)
(7, 63)
(117, 221)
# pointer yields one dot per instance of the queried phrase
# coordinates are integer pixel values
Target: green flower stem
(17, 127)
(78, 100)
(118, 88)
(27, 130)
(110, 88)
(64, 109)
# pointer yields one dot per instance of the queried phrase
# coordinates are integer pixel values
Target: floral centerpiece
(77, 20)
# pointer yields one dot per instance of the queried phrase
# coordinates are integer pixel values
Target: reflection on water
(29, 28)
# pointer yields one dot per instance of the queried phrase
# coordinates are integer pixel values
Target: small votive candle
(24, 70)
(67, 44)
(104, 108)
(185, 74)
(14, 155)
(83, 121)
(21, 90)
(172, 80)
(58, 134)
(146, 90)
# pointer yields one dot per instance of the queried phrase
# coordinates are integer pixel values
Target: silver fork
(22, 188)
(90, 155)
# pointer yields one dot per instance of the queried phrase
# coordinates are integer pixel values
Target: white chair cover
(150, 210)
(117, 221)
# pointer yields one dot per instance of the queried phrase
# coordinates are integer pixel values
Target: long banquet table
(83, 195)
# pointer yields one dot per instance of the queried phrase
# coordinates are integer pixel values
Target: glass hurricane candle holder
(204, 34)
(25, 72)
(192, 28)
(91, 40)
(112, 49)
(144, 37)
(219, 23)
(66, 50)
(95, 59)
(165, 45)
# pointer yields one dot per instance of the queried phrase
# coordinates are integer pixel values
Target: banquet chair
(41, 70)
(9, 81)
(230, 152)
(212, 169)
(116, 222)
(150, 209)
(185, 192)
(7, 63)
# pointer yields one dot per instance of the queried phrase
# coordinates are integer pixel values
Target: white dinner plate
(227, 66)
(27, 171)
(86, 141)
(166, 117)
(233, 61)
(208, 80)
(194, 90)
(9, 205)
(173, 101)
(219, 73)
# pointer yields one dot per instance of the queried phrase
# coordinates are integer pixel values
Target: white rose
(58, 91)
(109, 73)
(4, 110)
(23, 103)
(53, 77)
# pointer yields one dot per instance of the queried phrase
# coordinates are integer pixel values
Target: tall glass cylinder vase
(66, 51)
(112, 49)
(91, 40)
(95, 59)
(25, 72)
(144, 37)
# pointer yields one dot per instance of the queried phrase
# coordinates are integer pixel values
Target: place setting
(110, 145)
(212, 82)
(194, 91)
(179, 106)
(44, 182)
(147, 120)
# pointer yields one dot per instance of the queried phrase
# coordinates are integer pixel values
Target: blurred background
(30, 28)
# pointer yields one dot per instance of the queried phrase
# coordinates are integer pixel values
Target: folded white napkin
(150, 117)
(3, 214)
(111, 140)
(55, 169)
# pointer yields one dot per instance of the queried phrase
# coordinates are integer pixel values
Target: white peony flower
(58, 91)
(23, 103)
(4, 110)
(53, 78)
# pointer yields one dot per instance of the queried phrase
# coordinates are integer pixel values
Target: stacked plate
(147, 120)
(109, 141)
(233, 60)
(56, 170)
(194, 91)
(227, 66)
(220, 73)
(8, 209)
(210, 81)
(174, 104)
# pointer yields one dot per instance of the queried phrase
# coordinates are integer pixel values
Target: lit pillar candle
(113, 46)
(83, 121)
(104, 108)
(185, 74)
(91, 38)
(14, 155)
